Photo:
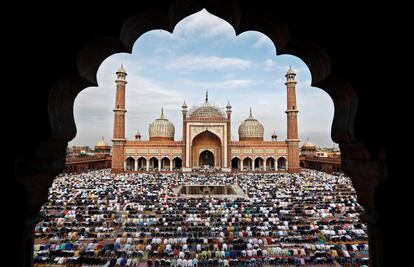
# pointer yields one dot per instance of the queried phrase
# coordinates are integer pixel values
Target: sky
(203, 53)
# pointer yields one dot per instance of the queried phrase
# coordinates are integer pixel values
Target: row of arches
(166, 164)
(259, 164)
(152, 164)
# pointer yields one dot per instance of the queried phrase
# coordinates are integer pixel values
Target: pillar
(292, 124)
(119, 123)
(184, 165)
(228, 148)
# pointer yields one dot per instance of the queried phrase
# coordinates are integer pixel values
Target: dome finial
(162, 113)
(290, 72)
(251, 112)
(206, 95)
(121, 69)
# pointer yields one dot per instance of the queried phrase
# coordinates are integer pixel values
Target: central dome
(251, 129)
(206, 111)
(161, 129)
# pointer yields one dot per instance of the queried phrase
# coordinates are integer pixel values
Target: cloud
(204, 25)
(203, 53)
(191, 63)
(228, 84)
(268, 64)
(262, 41)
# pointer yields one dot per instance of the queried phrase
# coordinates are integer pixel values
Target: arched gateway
(206, 150)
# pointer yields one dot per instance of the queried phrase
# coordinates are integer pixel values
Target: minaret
(119, 122)
(228, 112)
(184, 159)
(292, 123)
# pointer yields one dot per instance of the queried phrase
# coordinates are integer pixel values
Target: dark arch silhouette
(130, 163)
(281, 163)
(349, 74)
(235, 163)
(206, 158)
(177, 163)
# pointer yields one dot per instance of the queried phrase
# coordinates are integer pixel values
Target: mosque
(206, 142)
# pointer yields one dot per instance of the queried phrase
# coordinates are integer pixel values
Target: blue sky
(203, 52)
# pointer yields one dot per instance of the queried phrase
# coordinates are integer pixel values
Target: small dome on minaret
(121, 74)
(290, 76)
(290, 71)
(138, 136)
(274, 136)
(228, 105)
(184, 105)
(228, 110)
(121, 70)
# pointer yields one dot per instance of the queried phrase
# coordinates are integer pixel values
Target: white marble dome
(161, 127)
(206, 111)
(251, 128)
(308, 144)
(101, 143)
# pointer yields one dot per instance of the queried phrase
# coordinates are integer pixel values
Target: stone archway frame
(274, 161)
(246, 157)
(363, 161)
(286, 161)
(126, 162)
(263, 160)
(142, 157)
(173, 161)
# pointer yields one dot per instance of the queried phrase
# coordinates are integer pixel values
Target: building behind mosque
(206, 142)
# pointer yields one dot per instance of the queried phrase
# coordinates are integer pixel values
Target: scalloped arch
(93, 53)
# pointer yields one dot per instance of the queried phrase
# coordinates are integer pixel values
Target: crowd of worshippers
(205, 169)
(135, 219)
